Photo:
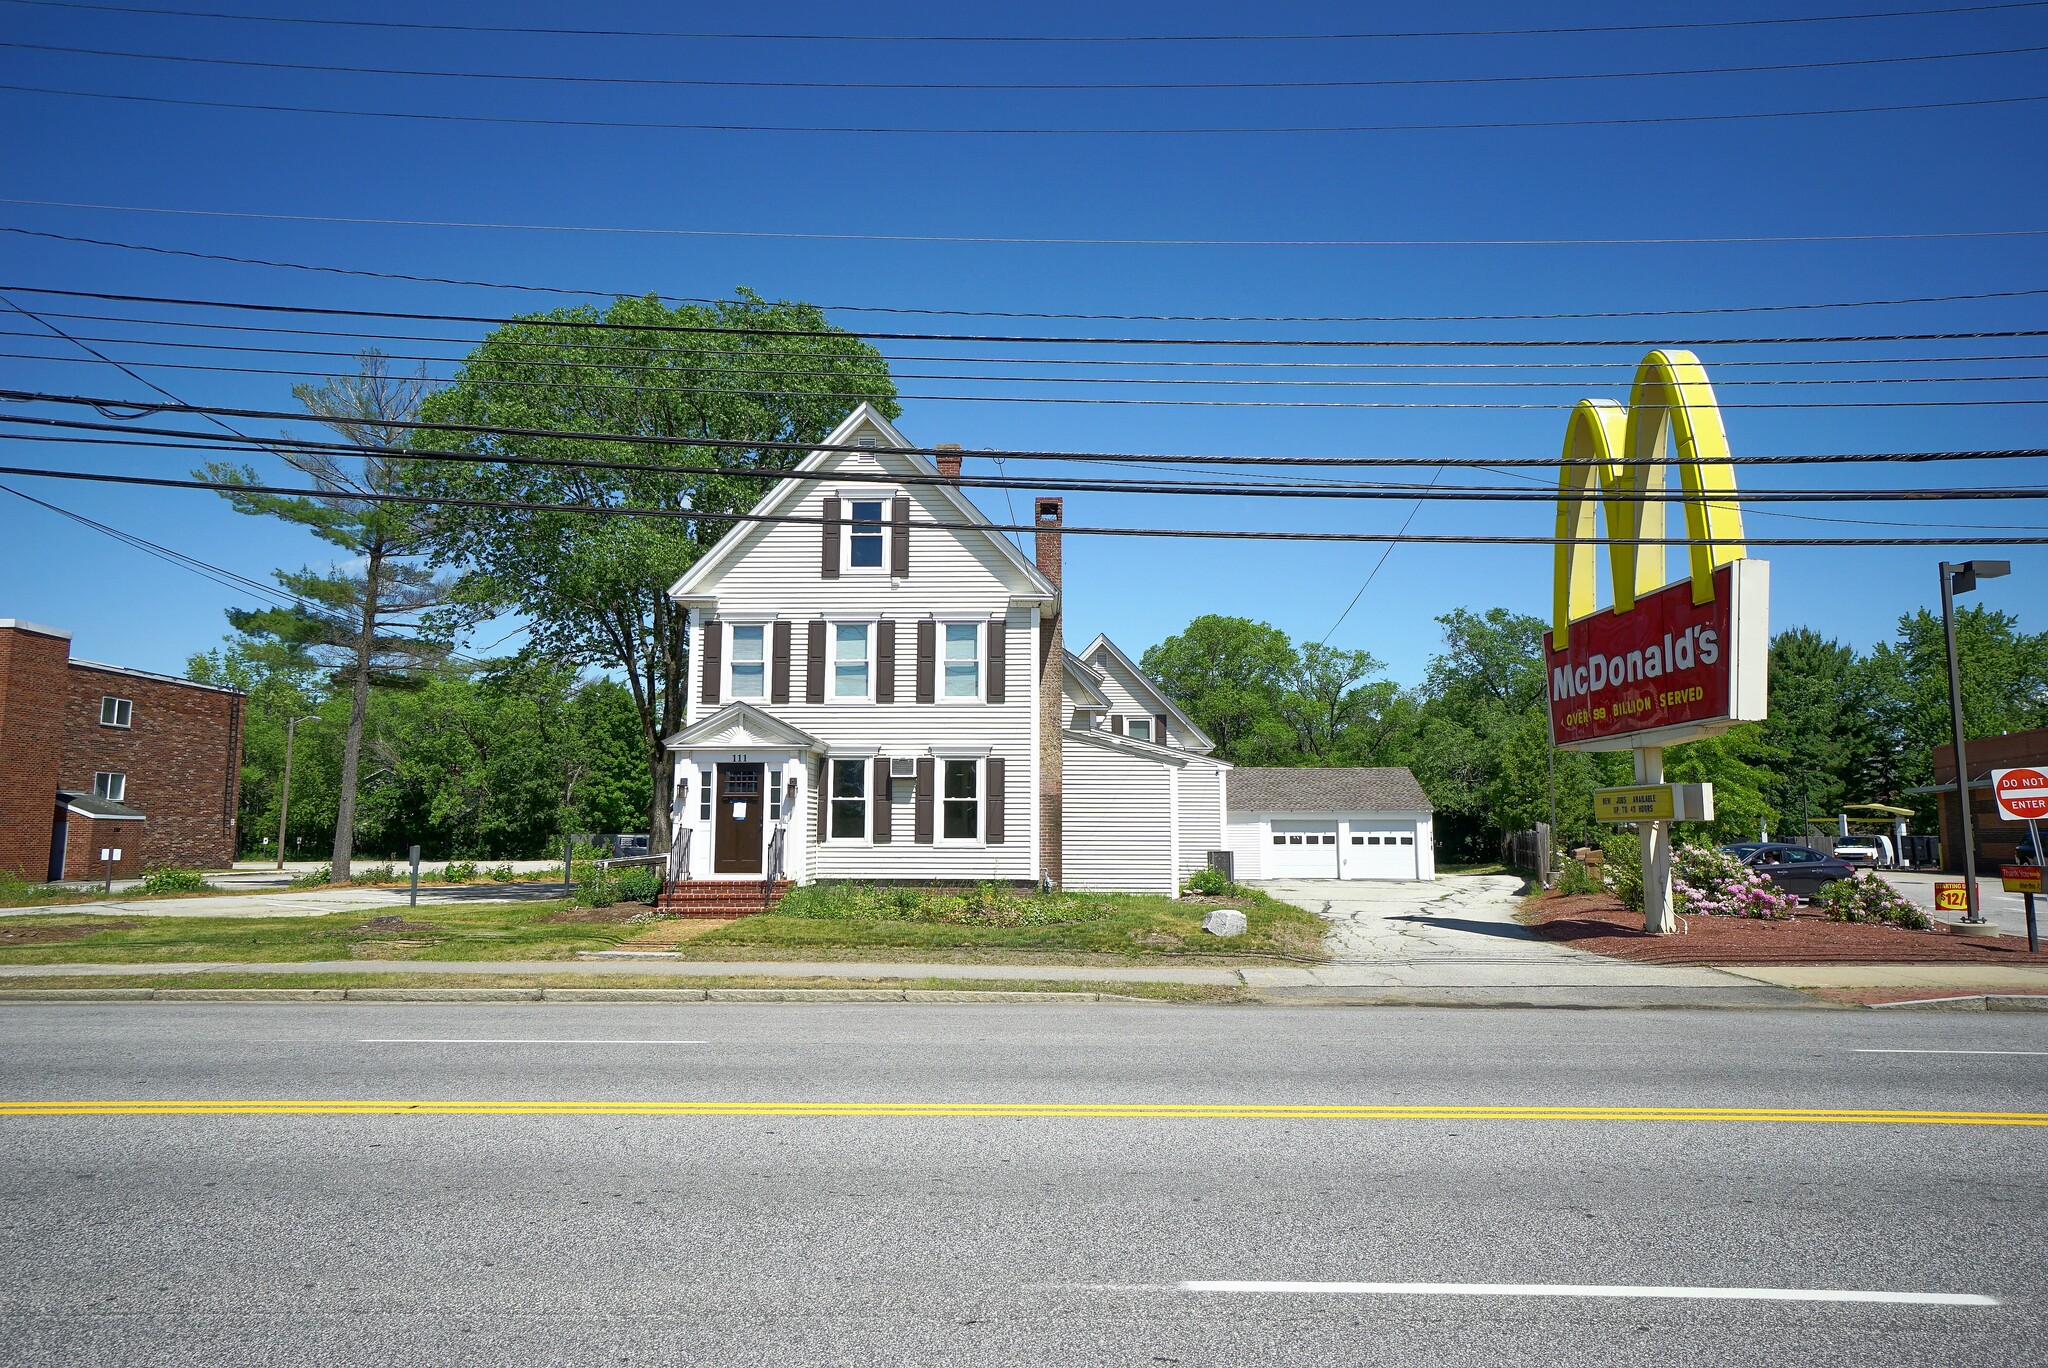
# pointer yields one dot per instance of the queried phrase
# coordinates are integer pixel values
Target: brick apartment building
(96, 757)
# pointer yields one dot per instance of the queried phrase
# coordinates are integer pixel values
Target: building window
(749, 662)
(1138, 728)
(963, 660)
(775, 795)
(963, 801)
(115, 712)
(110, 786)
(850, 660)
(864, 535)
(703, 795)
(849, 800)
(1279, 839)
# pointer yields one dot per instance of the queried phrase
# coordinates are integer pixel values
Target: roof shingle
(1326, 790)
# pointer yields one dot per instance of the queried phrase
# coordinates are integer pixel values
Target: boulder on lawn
(1224, 921)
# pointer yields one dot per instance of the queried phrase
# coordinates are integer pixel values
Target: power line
(736, 330)
(560, 78)
(1230, 489)
(413, 278)
(1229, 534)
(779, 444)
(1723, 240)
(648, 125)
(420, 26)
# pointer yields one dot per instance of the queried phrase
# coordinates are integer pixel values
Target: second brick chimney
(1048, 515)
(948, 459)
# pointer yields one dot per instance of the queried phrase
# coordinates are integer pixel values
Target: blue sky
(1926, 171)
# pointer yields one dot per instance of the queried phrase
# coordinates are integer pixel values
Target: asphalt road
(601, 1237)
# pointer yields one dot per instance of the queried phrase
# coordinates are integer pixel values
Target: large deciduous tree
(595, 587)
(1228, 674)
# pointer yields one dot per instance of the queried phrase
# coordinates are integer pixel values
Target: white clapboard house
(880, 690)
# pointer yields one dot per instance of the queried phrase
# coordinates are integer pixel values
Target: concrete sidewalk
(312, 902)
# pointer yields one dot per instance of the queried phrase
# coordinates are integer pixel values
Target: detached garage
(1329, 824)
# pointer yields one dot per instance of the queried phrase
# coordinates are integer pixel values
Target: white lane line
(1796, 1294)
(452, 1040)
(1905, 1051)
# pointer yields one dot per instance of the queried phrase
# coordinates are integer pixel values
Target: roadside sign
(2021, 794)
(2020, 878)
(1951, 897)
(1642, 803)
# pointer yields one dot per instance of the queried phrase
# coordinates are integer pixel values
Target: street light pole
(284, 798)
(1961, 579)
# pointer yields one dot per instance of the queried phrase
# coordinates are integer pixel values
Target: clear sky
(1950, 170)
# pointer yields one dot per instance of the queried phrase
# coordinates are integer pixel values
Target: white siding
(1249, 834)
(1201, 813)
(1244, 835)
(953, 576)
(1127, 702)
(1119, 820)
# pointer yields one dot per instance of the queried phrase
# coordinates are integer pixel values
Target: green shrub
(503, 874)
(174, 881)
(1574, 879)
(459, 872)
(986, 904)
(1709, 882)
(1210, 883)
(374, 874)
(1859, 899)
(637, 883)
(313, 878)
(1623, 867)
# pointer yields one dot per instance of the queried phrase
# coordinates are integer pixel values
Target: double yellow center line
(1063, 1111)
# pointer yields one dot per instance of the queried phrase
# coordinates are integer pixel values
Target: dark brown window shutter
(779, 689)
(824, 800)
(923, 835)
(899, 536)
(1116, 725)
(992, 823)
(1159, 729)
(885, 661)
(712, 648)
(998, 661)
(879, 799)
(830, 564)
(927, 660)
(814, 663)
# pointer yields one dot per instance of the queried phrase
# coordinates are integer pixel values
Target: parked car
(1796, 869)
(1866, 852)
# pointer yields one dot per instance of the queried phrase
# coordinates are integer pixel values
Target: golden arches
(1670, 401)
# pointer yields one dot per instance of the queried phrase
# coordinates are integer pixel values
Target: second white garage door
(1379, 850)
(1302, 850)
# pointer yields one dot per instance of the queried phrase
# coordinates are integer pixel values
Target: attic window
(868, 440)
(864, 535)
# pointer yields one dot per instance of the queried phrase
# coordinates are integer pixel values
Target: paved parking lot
(2006, 911)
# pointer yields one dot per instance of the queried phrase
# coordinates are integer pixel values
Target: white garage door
(1302, 850)
(1379, 849)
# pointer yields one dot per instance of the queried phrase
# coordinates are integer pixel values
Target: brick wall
(33, 687)
(1997, 838)
(86, 837)
(182, 754)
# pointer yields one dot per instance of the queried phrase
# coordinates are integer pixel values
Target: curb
(1973, 1002)
(282, 995)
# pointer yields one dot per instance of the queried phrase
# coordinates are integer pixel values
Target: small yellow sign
(1641, 803)
(2020, 878)
(1951, 897)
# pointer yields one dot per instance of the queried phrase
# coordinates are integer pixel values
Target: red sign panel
(2022, 794)
(1665, 663)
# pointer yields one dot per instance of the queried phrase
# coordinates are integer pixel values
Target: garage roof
(1326, 790)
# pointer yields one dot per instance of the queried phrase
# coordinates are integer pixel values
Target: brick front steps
(707, 898)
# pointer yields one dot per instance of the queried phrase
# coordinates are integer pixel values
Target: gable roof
(1382, 789)
(742, 720)
(817, 466)
(1103, 644)
(1083, 680)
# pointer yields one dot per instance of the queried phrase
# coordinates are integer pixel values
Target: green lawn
(836, 923)
(1163, 992)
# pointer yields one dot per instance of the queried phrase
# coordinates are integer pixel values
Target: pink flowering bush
(1712, 883)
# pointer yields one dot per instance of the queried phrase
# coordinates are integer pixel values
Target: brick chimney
(948, 459)
(1048, 516)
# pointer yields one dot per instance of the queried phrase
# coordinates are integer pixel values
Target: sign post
(2022, 796)
(1668, 662)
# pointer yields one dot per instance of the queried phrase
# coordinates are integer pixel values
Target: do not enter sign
(2021, 794)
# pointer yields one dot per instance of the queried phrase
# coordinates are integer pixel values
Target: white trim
(21, 625)
(939, 630)
(865, 766)
(159, 678)
(942, 750)
(979, 763)
(117, 724)
(106, 816)
(729, 658)
(832, 661)
(120, 797)
(1150, 724)
(885, 529)
(1032, 803)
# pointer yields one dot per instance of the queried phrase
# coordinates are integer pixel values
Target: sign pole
(2033, 932)
(1655, 840)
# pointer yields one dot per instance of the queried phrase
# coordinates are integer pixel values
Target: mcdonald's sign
(1667, 662)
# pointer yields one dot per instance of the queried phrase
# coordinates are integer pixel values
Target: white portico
(742, 777)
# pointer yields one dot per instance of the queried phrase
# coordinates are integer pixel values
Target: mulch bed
(1600, 923)
(46, 935)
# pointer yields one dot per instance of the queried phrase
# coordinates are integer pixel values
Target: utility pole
(284, 798)
(1961, 579)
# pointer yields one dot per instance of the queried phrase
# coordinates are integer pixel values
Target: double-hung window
(962, 798)
(109, 785)
(864, 535)
(116, 712)
(850, 660)
(749, 661)
(849, 800)
(963, 660)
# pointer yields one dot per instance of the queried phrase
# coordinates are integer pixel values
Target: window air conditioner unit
(902, 767)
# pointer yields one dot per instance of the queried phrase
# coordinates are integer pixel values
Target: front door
(736, 843)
